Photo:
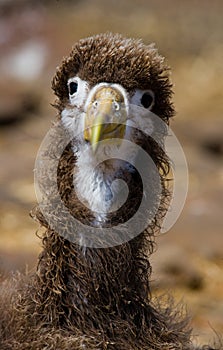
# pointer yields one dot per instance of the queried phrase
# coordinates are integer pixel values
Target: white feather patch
(78, 99)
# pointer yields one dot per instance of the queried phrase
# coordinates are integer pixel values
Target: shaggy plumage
(98, 298)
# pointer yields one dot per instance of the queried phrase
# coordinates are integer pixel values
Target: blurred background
(34, 37)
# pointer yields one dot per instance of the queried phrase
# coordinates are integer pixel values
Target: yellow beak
(105, 117)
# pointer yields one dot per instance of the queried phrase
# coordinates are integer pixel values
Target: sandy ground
(188, 262)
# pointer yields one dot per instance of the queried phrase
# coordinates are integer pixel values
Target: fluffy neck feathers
(97, 182)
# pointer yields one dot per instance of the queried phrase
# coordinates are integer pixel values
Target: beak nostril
(116, 105)
(95, 104)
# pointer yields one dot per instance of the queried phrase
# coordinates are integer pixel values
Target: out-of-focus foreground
(34, 36)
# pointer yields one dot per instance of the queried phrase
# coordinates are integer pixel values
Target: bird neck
(73, 280)
(101, 183)
(81, 284)
(85, 188)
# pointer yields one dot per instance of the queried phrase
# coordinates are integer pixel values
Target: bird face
(107, 89)
(103, 110)
(105, 117)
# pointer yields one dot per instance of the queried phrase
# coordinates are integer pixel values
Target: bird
(91, 287)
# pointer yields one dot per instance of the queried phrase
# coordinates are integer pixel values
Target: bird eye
(147, 100)
(143, 98)
(72, 87)
(78, 90)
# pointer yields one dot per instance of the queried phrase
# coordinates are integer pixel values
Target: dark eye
(147, 100)
(72, 87)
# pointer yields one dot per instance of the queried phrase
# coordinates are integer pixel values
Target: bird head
(106, 88)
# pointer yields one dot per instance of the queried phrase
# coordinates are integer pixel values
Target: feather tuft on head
(113, 58)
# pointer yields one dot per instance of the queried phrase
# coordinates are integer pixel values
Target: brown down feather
(98, 298)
